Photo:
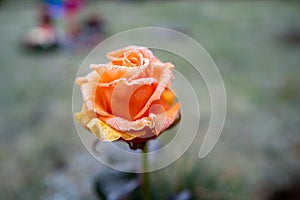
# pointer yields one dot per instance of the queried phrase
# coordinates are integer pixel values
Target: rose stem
(146, 185)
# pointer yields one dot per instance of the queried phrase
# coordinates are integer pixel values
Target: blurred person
(71, 11)
(55, 10)
(64, 14)
(44, 35)
(93, 29)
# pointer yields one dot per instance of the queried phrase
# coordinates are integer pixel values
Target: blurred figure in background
(93, 30)
(55, 9)
(44, 36)
(72, 9)
(58, 26)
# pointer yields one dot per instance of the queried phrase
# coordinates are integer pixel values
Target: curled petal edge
(105, 132)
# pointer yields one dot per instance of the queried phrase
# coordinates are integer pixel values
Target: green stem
(146, 183)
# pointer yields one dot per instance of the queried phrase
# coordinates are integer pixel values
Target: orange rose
(128, 98)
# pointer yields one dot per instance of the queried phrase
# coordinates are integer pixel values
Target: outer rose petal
(88, 85)
(115, 128)
(161, 115)
(104, 132)
(156, 122)
(85, 116)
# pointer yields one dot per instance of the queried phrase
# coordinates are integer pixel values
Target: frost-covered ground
(41, 156)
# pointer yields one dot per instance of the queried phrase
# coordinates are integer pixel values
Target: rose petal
(108, 73)
(116, 55)
(84, 116)
(106, 133)
(164, 76)
(88, 86)
(169, 117)
(126, 99)
(157, 122)
(163, 109)
(125, 125)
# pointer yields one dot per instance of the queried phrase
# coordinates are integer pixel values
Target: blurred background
(256, 46)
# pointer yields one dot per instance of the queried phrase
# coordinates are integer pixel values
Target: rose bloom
(128, 98)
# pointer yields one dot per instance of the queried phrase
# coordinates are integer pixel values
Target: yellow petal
(84, 116)
(106, 133)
